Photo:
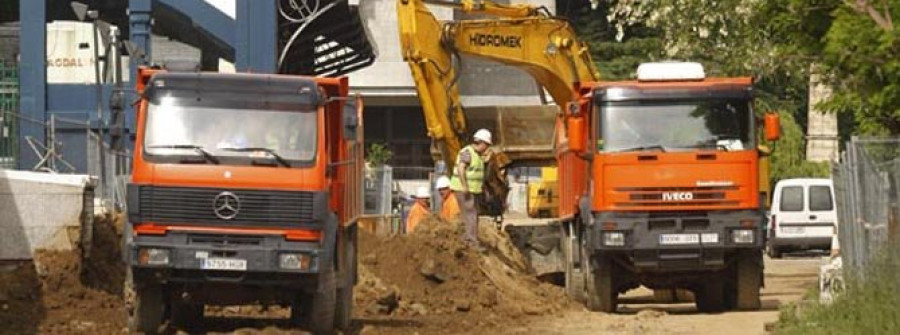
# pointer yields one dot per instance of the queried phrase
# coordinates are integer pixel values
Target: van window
(820, 198)
(792, 199)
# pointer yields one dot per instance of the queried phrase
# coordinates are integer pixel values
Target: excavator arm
(526, 37)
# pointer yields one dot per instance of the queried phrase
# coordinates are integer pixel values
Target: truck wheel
(342, 318)
(711, 296)
(321, 311)
(187, 316)
(146, 306)
(749, 281)
(574, 277)
(602, 294)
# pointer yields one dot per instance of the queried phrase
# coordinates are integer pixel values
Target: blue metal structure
(251, 41)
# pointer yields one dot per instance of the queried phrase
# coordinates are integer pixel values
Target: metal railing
(9, 103)
(867, 187)
(110, 168)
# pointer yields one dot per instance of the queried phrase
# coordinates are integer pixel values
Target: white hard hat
(483, 135)
(422, 193)
(442, 182)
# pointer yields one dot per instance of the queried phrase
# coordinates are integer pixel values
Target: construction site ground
(427, 282)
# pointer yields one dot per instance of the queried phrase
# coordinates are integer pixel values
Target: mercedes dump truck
(660, 187)
(245, 190)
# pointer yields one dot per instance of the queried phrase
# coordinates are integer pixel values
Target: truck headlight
(153, 256)
(742, 236)
(614, 238)
(294, 261)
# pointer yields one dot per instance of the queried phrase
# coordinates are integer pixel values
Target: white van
(803, 216)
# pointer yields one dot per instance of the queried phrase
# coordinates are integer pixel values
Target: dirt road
(426, 283)
(786, 281)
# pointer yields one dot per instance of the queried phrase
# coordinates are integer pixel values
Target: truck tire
(749, 281)
(602, 294)
(146, 314)
(711, 296)
(574, 277)
(321, 311)
(343, 310)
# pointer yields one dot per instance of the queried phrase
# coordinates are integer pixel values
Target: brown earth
(427, 282)
(433, 280)
(60, 294)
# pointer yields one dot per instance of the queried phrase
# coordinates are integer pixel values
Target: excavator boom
(522, 36)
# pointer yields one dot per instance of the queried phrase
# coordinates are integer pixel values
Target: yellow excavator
(523, 36)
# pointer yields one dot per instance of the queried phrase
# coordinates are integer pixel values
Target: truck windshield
(279, 136)
(676, 125)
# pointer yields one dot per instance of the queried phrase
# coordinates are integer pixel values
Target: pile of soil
(58, 293)
(432, 273)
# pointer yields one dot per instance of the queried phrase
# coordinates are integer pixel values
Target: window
(792, 199)
(820, 198)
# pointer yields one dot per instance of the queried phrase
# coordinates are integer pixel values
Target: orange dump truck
(245, 190)
(660, 187)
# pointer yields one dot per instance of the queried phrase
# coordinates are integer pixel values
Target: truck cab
(671, 198)
(245, 190)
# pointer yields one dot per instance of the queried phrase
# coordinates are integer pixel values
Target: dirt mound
(59, 294)
(432, 272)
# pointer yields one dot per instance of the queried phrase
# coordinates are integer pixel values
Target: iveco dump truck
(245, 190)
(660, 187)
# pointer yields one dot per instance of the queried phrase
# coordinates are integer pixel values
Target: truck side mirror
(773, 126)
(575, 126)
(351, 112)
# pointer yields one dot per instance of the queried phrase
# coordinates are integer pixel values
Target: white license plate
(679, 239)
(232, 264)
(793, 230)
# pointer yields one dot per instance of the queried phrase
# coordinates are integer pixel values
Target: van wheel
(602, 294)
(774, 252)
(574, 277)
(749, 280)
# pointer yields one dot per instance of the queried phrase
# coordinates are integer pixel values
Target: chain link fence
(110, 168)
(867, 187)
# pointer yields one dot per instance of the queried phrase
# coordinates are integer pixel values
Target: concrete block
(40, 211)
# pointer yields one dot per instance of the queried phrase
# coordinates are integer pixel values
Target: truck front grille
(676, 196)
(253, 207)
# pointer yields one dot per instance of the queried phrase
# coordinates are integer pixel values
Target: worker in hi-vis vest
(449, 204)
(467, 180)
(420, 209)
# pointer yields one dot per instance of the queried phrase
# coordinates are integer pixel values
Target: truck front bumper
(675, 243)
(181, 257)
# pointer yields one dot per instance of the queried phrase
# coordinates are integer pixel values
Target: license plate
(793, 230)
(679, 239)
(232, 264)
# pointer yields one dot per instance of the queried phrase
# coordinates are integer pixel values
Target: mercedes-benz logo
(226, 205)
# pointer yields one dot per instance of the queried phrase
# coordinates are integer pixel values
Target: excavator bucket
(322, 38)
(523, 133)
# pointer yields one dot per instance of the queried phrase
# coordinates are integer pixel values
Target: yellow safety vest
(474, 172)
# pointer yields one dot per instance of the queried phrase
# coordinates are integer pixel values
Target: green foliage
(870, 304)
(378, 154)
(788, 156)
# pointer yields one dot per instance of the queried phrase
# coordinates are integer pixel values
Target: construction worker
(449, 205)
(419, 210)
(468, 178)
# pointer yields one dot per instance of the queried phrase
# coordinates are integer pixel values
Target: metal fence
(9, 103)
(867, 187)
(111, 169)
